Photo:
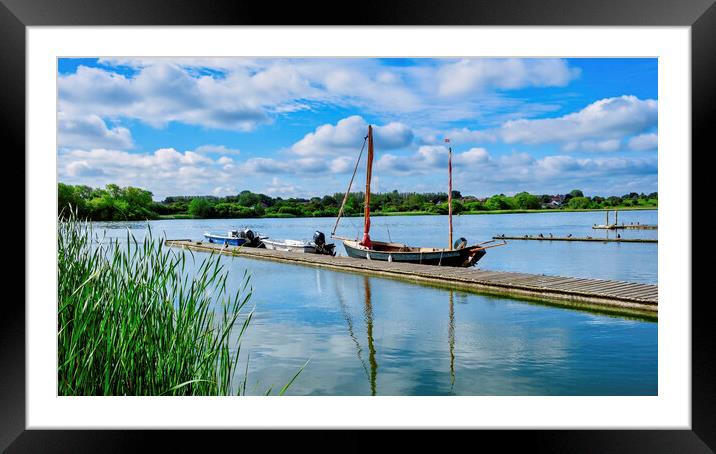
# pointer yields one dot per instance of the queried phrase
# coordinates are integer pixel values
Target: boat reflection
(371, 366)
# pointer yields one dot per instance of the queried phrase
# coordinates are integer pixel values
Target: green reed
(134, 320)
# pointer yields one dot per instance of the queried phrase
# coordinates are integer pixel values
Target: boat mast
(366, 226)
(449, 194)
(350, 184)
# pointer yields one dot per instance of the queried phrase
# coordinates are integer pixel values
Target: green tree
(248, 199)
(527, 201)
(70, 197)
(498, 202)
(579, 203)
(200, 207)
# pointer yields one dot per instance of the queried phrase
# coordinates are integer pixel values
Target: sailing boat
(457, 254)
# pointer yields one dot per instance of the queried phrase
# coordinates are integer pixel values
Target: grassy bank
(428, 213)
(133, 321)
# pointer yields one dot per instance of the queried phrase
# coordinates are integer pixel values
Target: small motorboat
(317, 246)
(245, 237)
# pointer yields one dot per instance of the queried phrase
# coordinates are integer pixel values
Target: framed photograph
(419, 216)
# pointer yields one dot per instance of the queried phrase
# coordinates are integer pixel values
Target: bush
(579, 203)
(200, 208)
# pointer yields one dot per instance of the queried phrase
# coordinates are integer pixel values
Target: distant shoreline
(425, 213)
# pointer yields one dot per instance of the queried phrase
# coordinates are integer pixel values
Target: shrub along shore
(114, 203)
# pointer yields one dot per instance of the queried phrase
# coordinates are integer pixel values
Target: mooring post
(607, 223)
(616, 217)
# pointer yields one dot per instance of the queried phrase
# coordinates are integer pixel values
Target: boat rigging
(457, 254)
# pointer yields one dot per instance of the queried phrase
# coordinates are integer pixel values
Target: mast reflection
(451, 341)
(349, 322)
(369, 328)
(368, 316)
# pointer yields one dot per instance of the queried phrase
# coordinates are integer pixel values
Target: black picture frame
(16, 15)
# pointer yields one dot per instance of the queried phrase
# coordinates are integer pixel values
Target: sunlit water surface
(373, 336)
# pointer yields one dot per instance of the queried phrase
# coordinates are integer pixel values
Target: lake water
(374, 336)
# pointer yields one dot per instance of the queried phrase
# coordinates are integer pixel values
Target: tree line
(114, 203)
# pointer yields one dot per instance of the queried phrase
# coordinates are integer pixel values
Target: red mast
(449, 194)
(366, 227)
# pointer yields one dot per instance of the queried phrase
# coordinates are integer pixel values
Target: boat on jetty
(317, 246)
(245, 237)
(457, 254)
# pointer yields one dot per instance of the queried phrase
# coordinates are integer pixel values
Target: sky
(293, 127)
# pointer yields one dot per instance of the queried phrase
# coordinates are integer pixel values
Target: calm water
(366, 335)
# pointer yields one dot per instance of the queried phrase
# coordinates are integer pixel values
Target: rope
(345, 197)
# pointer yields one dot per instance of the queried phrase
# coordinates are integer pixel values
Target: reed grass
(133, 319)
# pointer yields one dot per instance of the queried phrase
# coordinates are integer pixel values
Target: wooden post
(607, 223)
(616, 217)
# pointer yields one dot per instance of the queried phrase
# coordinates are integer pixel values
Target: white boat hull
(290, 246)
(302, 247)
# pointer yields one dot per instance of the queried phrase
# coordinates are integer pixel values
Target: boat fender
(390, 257)
(367, 255)
(460, 243)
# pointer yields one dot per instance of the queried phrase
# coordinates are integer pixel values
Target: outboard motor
(249, 235)
(319, 238)
(460, 243)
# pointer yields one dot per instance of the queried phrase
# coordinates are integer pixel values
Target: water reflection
(368, 317)
(506, 347)
(369, 330)
(451, 342)
(349, 322)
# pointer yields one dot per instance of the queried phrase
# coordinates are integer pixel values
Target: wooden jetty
(574, 238)
(590, 294)
(615, 225)
(626, 227)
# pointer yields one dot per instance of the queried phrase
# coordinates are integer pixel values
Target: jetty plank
(592, 239)
(599, 294)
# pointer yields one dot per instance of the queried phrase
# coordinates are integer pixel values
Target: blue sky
(294, 127)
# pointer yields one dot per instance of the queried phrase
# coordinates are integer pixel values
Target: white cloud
(222, 191)
(90, 131)
(606, 119)
(472, 157)
(165, 92)
(165, 170)
(430, 159)
(218, 149)
(642, 142)
(456, 136)
(468, 75)
(240, 94)
(342, 164)
(347, 137)
(83, 169)
(312, 166)
(281, 188)
(593, 145)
